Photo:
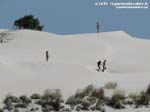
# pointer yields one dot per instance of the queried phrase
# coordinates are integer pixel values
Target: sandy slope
(72, 64)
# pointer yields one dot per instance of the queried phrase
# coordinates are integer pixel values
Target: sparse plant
(52, 98)
(87, 91)
(117, 99)
(53, 95)
(85, 104)
(37, 108)
(32, 109)
(16, 110)
(20, 105)
(1, 110)
(35, 96)
(12, 99)
(47, 108)
(140, 99)
(92, 99)
(24, 99)
(144, 99)
(129, 101)
(110, 85)
(135, 97)
(8, 106)
(98, 106)
(72, 100)
(78, 108)
(4, 35)
(66, 110)
(80, 94)
(8, 103)
(98, 93)
(148, 89)
(90, 91)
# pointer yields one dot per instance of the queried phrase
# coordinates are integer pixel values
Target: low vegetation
(110, 85)
(117, 99)
(90, 98)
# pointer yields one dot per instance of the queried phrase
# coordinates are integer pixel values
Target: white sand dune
(72, 63)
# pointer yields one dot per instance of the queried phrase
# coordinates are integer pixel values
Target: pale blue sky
(77, 16)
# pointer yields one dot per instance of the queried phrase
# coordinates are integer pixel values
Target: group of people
(103, 68)
(99, 63)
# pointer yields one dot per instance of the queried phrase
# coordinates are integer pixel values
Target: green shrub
(117, 99)
(1, 110)
(134, 96)
(37, 108)
(98, 93)
(66, 110)
(52, 95)
(16, 110)
(24, 99)
(8, 103)
(93, 108)
(72, 100)
(87, 91)
(51, 98)
(40, 102)
(80, 94)
(85, 104)
(35, 96)
(11, 98)
(148, 89)
(129, 101)
(20, 105)
(143, 99)
(47, 108)
(110, 85)
(92, 99)
(98, 106)
(78, 108)
(32, 109)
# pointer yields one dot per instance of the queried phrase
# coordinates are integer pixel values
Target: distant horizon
(79, 33)
(70, 17)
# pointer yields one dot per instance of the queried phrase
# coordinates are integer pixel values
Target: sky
(77, 16)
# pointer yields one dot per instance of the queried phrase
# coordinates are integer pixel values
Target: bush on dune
(88, 99)
(110, 85)
(35, 96)
(117, 99)
(98, 93)
(9, 100)
(73, 101)
(148, 89)
(142, 99)
(51, 99)
(25, 100)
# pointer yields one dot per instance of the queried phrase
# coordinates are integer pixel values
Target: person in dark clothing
(47, 56)
(104, 66)
(99, 65)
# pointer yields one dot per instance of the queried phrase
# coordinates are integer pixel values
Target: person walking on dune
(104, 66)
(47, 56)
(99, 65)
